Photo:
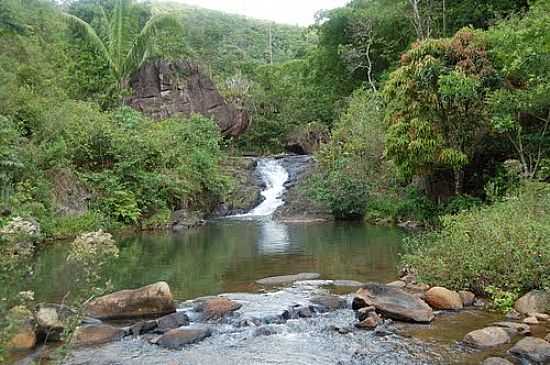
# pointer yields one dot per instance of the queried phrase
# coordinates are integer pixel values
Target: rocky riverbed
(296, 321)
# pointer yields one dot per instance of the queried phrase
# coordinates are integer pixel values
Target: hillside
(229, 43)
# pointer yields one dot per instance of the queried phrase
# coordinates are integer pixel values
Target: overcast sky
(300, 12)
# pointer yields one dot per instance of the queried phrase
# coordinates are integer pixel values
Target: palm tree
(115, 44)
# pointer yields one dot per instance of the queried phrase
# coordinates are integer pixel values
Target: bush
(504, 246)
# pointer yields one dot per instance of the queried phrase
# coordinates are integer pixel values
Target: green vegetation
(503, 246)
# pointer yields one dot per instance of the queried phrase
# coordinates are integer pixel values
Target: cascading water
(274, 176)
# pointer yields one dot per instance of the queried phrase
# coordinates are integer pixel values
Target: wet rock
(467, 297)
(496, 361)
(299, 311)
(513, 315)
(215, 308)
(442, 298)
(24, 339)
(487, 337)
(393, 303)
(176, 339)
(93, 335)
(531, 320)
(171, 321)
(151, 300)
(397, 284)
(329, 303)
(340, 330)
(371, 322)
(515, 327)
(363, 313)
(535, 301)
(142, 328)
(287, 279)
(533, 349)
(183, 219)
(50, 320)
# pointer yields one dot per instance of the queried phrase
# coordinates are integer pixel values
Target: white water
(274, 176)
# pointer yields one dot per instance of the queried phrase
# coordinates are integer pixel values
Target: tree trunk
(459, 181)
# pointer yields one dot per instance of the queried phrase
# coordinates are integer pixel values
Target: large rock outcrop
(164, 89)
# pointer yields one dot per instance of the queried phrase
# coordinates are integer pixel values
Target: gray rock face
(393, 303)
(533, 349)
(487, 337)
(151, 300)
(178, 338)
(287, 279)
(165, 89)
(536, 301)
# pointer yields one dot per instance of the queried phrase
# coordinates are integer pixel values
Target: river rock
(347, 283)
(487, 337)
(513, 315)
(515, 327)
(496, 361)
(397, 284)
(393, 303)
(215, 308)
(547, 338)
(531, 320)
(151, 300)
(363, 313)
(24, 339)
(467, 297)
(50, 320)
(533, 349)
(539, 316)
(171, 321)
(442, 298)
(329, 303)
(371, 322)
(93, 335)
(176, 339)
(535, 301)
(287, 279)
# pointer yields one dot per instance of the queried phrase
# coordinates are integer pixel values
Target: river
(228, 255)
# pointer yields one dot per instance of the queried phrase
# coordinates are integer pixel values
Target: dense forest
(436, 113)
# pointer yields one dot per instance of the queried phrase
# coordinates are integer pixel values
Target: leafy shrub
(505, 245)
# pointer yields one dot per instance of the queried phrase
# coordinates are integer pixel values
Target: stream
(228, 255)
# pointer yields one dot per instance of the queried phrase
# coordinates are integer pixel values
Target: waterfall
(274, 176)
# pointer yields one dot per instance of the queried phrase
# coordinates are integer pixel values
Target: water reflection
(273, 239)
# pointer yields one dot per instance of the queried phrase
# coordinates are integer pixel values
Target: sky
(300, 12)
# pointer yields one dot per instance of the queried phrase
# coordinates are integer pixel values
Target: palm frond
(89, 32)
(144, 41)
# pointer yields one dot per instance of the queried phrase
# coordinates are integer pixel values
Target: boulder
(496, 361)
(171, 321)
(515, 328)
(347, 283)
(163, 89)
(513, 315)
(467, 297)
(329, 303)
(531, 320)
(97, 334)
(151, 300)
(547, 338)
(539, 316)
(393, 303)
(182, 220)
(442, 298)
(24, 338)
(487, 337)
(397, 284)
(176, 339)
(371, 322)
(287, 279)
(536, 301)
(363, 313)
(215, 308)
(532, 349)
(51, 318)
